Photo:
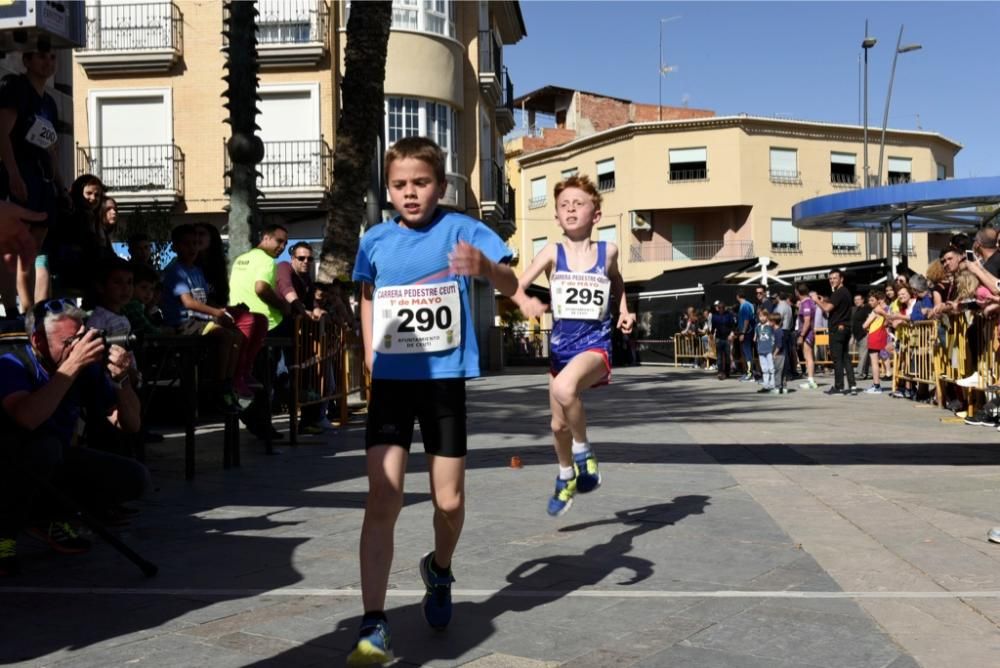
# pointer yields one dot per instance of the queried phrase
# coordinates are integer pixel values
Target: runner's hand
(534, 307)
(467, 260)
(626, 321)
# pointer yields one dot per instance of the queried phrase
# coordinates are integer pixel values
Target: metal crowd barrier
(916, 357)
(329, 365)
(690, 346)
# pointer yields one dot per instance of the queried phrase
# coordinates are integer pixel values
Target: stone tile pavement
(732, 530)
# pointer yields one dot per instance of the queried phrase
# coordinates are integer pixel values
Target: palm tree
(362, 94)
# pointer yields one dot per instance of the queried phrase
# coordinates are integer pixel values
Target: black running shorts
(439, 406)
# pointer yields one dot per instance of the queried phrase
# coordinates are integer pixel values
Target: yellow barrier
(329, 365)
(690, 346)
(916, 356)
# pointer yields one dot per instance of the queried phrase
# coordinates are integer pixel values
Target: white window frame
(537, 245)
(845, 243)
(785, 246)
(940, 171)
(897, 160)
(670, 163)
(419, 9)
(95, 95)
(567, 173)
(423, 130)
(536, 202)
(845, 159)
(781, 174)
(601, 169)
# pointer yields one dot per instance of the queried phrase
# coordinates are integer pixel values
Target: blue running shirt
(572, 337)
(410, 266)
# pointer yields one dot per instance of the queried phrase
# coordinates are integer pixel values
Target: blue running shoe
(374, 646)
(588, 478)
(562, 499)
(437, 601)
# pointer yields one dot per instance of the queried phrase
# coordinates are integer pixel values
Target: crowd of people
(770, 337)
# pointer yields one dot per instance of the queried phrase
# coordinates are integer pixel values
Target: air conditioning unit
(640, 221)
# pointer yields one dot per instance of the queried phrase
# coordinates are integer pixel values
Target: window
(566, 173)
(842, 168)
(537, 245)
(409, 117)
(784, 237)
(899, 170)
(942, 172)
(688, 164)
(606, 175)
(897, 242)
(784, 165)
(845, 243)
(286, 22)
(538, 191)
(132, 140)
(608, 233)
(435, 16)
(293, 155)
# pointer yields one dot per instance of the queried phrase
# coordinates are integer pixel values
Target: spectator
(806, 334)
(923, 302)
(904, 299)
(109, 218)
(763, 300)
(44, 387)
(140, 249)
(890, 298)
(764, 336)
(212, 262)
(877, 337)
(779, 354)
(29, 168)
(253, 281)
(144, 281)
(113, 290)
(783, 307)
(985, 246)
(724, 326)
(186, 311)
(838, 311)
(74, 248)
(744, 326)
(859, 314)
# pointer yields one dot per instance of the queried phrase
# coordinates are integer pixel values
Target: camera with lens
(126, 341)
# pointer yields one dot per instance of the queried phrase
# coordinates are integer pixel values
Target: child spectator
(777, 320)
(212, 262)
(140, 249)
(878, 335)
(113, 291)
(764, 334)
(144, 284)
(109, 218)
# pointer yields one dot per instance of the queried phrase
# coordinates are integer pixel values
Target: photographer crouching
(66, 371)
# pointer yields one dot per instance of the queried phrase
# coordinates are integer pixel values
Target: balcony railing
(133, 27)
(490, 53)
(847, 249)
(911, 250)
(844, 180)
(688, 175)
(294, 174)
(895, 178)
(494, 184)
(690, 250)
(505, 105)
(143, 169)
(786, 176)
(786, 247)
(292, 21)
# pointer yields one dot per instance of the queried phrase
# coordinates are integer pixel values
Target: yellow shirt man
(253, 278)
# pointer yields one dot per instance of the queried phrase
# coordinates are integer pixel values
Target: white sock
(566, 473)
(579, 447)
(811, 379)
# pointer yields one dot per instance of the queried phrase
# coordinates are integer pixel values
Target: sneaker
(746, 378)
(62, 538)
(325, 424)
(775, 390)
(874, 389)
(374, 645)
(436, 605)
(764, 390)
(783, 390)
(854, 391)
(588, 478)
(981, 418)
(809, 385)
(8, 557)
(971, 381)
(311, 430)
(994, 535)
(833, 391)
(898, 394)
(562, 499)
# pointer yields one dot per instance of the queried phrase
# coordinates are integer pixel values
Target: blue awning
(929, 206)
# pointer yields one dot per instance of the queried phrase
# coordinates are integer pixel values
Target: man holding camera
(65, 372)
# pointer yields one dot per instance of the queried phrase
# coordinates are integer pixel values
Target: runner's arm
(366, 323)
(543, 262)
(626, 320)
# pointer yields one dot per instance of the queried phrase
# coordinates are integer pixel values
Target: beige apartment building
(148, 107)
(696, 188)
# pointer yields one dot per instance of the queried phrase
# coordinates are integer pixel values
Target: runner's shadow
(530, 585)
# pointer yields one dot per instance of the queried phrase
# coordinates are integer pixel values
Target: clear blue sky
(794, 59)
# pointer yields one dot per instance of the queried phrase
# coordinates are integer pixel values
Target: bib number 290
(584, 296)
(426, 319)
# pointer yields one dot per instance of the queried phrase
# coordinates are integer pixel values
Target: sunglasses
(54, 306)
(304, 258)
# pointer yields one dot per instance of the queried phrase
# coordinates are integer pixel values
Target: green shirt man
(253, 278)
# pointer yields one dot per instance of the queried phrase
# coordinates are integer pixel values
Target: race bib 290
(412, 319)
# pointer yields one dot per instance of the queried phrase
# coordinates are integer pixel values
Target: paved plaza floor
(732, 529)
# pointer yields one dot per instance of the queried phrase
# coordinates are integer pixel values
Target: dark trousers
(788, 351)
(746, 347)
(723, 355)
(840, 350)
(92, 478)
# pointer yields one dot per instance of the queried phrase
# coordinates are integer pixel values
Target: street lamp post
(662, 70)
(866, 43)
(888, 96)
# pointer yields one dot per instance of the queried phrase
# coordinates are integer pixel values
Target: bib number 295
(584, 296)
(426, 319)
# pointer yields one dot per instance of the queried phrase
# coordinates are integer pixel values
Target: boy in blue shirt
(416, 321)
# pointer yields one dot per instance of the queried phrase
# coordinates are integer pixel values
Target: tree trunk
(362, 94)
(245, 148)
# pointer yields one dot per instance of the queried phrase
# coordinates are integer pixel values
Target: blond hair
(965, 285)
